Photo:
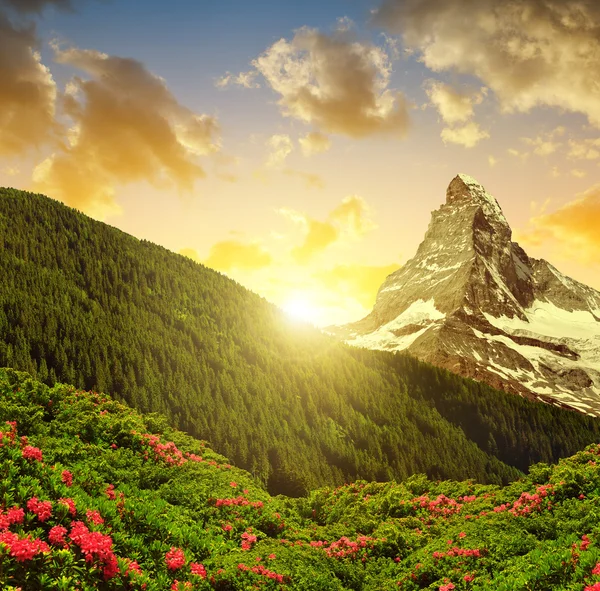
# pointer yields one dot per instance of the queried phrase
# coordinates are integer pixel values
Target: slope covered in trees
(83, 303)
(95, 496)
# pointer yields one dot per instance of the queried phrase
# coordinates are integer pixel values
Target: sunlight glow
(300, 308)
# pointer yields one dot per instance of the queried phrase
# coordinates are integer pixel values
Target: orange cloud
(573, 228)
(318, 237)
(127, 127)
(360, 282)
(350, 218)
(233, 254)
(336, 83)
(27, 91)
(530, 53)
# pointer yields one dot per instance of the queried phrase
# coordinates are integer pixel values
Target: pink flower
(133, 567)
(585, 542)
(94, 517)
(596, 569)
(468, 578)
(32, 453)
(67, 477)
(175, 558)
(23, 549)
(15, 515)
(70, 503)
(110, 492)
(198, 569)
(43, 509)
(57, 535)
(447, 587)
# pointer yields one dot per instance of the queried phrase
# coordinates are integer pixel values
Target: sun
(301, 309)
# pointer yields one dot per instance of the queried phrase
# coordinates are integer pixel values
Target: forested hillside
(83, 303)
(95, 496)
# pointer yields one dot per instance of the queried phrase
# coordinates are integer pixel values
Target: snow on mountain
(472, 301)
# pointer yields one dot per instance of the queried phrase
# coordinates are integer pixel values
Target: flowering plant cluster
(91, 498)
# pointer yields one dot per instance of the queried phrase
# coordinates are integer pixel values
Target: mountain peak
(465, 189)
(472, 301)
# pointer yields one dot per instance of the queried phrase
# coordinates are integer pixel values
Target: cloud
(233, 254)
(468, 135)
(244, 79)
(358, 281)
(587, 149)
(314, 142)
(573, 228)
(29, 6)
(27, 91)
(530, 53)
(334, 82)
(318, 237)
(311, 180)
(577, 172)
(517, 154)
(353, 213)
(545, 144)
(281, 147)
(348, 220)
(492, 161)
(452, 105)
(126, 127)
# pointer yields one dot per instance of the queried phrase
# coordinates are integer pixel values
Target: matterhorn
(473, 302)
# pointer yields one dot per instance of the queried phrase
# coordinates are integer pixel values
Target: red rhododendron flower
(43, 509)
(22, 549)
(15, 515)
(175, 558)
(70, 503)
(198, 569)
(94, 517)
(57, 535)
(32, 453)
(67, 477)
(133, 567)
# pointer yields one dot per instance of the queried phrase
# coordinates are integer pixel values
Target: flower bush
(91, 498)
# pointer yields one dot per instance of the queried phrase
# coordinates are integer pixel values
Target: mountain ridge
(471, 300)
(84, 303)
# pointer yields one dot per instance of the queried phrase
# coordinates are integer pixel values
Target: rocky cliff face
(472, 301)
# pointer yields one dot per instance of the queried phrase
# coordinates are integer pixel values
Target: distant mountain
(472, 301)
(84, 303)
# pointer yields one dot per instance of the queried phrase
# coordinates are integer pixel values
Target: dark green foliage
(83, 303)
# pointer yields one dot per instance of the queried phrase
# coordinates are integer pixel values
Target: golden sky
(300, 148)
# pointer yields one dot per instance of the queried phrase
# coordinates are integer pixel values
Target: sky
(300, 147)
